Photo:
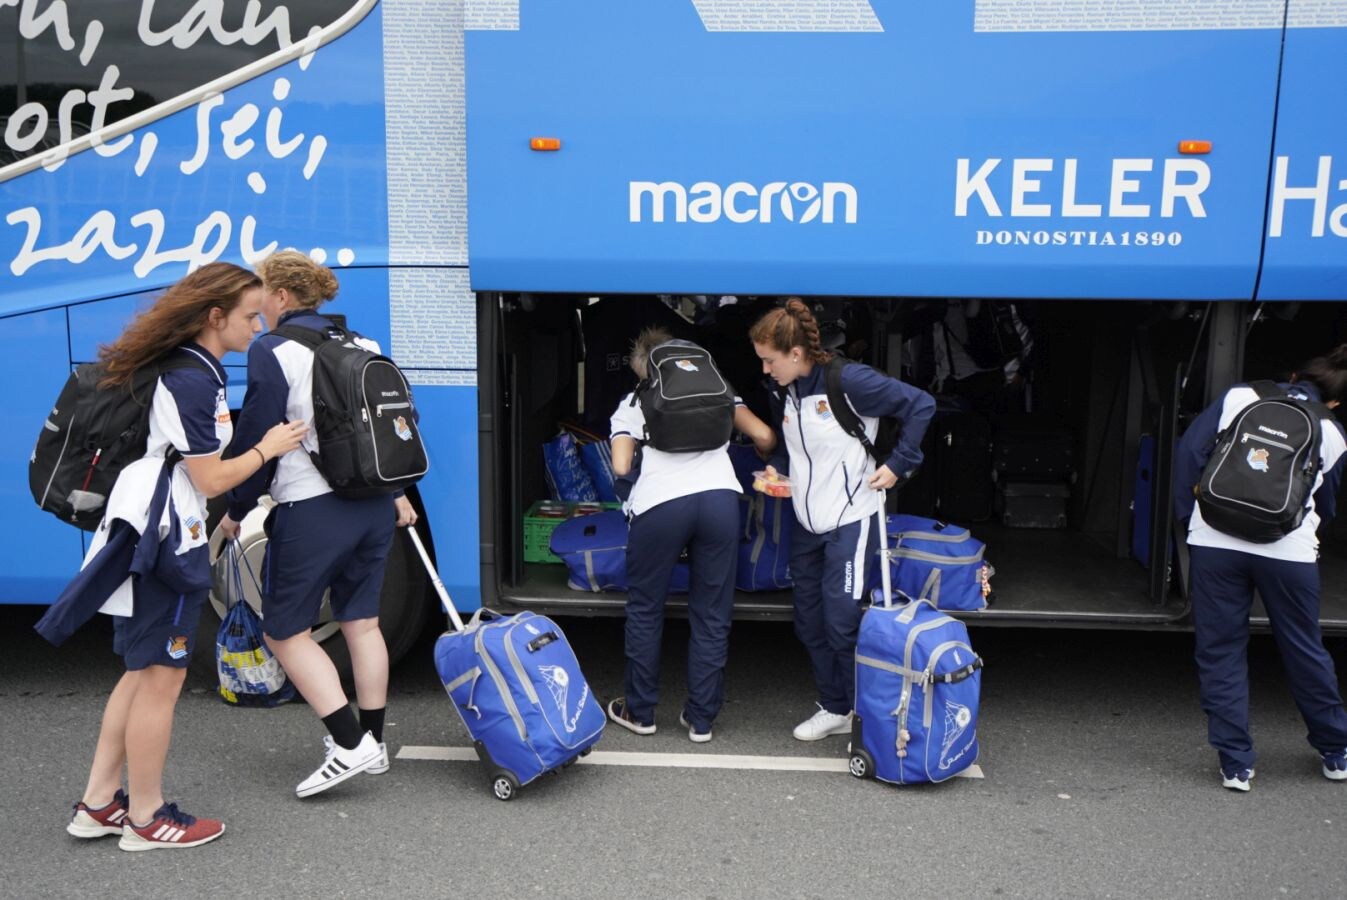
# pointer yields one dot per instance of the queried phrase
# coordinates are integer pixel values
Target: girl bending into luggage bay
(680, 500)
(835, 492)
(1231, 556)
(316, 539)
(195, 322)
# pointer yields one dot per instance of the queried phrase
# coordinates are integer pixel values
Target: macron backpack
(92, 434)
(1257, 483)
(363, 415)
(687, 405)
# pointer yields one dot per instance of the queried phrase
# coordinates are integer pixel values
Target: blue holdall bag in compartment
(594, 549)
(918, 683)
(936, 561)
(764, 545)
(516, 684)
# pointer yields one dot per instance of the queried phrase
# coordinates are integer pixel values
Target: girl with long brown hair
(207, 314)
(835, 491)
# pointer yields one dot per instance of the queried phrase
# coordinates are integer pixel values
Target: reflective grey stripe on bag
(501, 685)
(471, 675)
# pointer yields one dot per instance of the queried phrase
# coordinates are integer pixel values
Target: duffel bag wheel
(861, 766)
(504, 786)
(585, 752)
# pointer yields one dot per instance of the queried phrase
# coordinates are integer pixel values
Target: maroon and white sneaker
(170, 828)
(90, 822)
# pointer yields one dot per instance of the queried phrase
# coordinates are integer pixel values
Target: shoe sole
(337, 779)
(138, 843)
(93, 831)
(1234, 784)
(1335, 774)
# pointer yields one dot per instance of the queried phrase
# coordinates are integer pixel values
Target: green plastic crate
(538, 529)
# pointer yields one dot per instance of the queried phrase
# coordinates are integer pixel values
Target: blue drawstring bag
(249, 673)
(566, 474)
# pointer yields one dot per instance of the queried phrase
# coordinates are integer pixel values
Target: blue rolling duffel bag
(517, 685)
(936, 561)
(917, 688)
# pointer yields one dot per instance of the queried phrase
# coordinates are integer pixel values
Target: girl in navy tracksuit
(316, 539)
(209, 313)
(835, 489)
(679, 500)
(1226, 570)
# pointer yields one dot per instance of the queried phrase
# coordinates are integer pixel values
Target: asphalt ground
(1098, 783)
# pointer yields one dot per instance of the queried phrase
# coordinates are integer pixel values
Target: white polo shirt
(668, 476)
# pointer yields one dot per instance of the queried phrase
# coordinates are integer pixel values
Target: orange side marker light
(1194, 147)
(545, 143)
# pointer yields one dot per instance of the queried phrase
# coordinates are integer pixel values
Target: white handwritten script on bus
(241, 131)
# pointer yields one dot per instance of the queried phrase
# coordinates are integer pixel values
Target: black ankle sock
(372, 720)
(344, 728)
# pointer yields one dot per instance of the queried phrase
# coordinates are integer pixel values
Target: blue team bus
(507, 189)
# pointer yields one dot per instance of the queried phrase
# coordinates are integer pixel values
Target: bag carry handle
(435, 578)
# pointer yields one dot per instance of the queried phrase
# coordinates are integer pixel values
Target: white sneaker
(1237, 781)
(822, 724)
(380, 765)
(697, 737)
(340, 765)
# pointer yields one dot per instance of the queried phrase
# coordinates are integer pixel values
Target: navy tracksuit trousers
(1223, 583)
(830, 572)
(707, 524)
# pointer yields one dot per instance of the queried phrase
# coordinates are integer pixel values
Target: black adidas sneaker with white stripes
(340, 765)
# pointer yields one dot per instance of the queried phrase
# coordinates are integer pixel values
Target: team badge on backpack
(1257, 483)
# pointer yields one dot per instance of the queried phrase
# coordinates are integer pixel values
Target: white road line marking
(672, 760)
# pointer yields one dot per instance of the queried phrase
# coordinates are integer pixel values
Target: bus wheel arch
(405, 603)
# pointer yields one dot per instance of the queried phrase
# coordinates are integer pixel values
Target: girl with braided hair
(836, 493)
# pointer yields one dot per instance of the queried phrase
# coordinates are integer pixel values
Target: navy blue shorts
(320, 543)
(162, 632)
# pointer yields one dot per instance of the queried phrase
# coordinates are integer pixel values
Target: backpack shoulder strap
(1268, 390)
(841, 409)
(1271, 390)
(309, 337)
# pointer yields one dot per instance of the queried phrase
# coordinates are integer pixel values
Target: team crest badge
(822, 409)
(194, 527)
(686, 365)
(177, 647)
(401, 429)
(1258, 458)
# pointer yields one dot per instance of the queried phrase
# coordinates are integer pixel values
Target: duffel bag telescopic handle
(884, 576)
(435, 578)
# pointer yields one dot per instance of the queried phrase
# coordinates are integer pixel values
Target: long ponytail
(792, 325)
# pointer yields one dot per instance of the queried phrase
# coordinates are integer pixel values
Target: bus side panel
(947, 154)
(292, 158)
(39, 554)
(1306, 244)
(449, 491)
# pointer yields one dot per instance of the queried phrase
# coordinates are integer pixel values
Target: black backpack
(886, 438)
(363, 415)
(1257, 483)
(687, 405)
(92, 434)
